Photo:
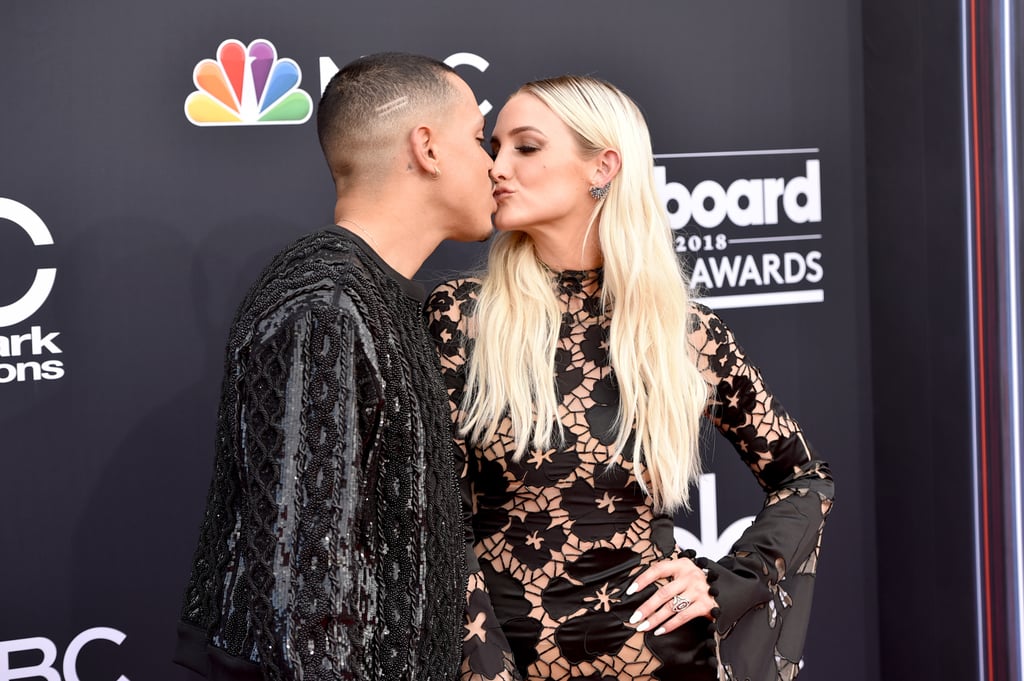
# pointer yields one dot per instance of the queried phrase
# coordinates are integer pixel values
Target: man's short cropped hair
(370, 102)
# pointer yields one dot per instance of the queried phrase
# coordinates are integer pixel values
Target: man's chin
(473, 236)
(484, 236)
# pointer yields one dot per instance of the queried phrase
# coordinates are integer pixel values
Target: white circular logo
(475, 61)
(26, 306)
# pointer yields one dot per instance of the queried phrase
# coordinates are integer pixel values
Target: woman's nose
(498, 171)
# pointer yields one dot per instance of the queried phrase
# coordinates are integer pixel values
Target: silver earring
(599, 193)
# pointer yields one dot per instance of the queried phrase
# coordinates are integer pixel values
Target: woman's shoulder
(708, 331)
(461, 286)
(702, 316)
(449, 296)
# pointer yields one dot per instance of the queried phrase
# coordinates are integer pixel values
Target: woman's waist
(558, 552)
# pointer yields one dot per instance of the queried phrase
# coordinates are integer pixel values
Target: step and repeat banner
(153, 156)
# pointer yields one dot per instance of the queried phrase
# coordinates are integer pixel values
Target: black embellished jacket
(332, 543)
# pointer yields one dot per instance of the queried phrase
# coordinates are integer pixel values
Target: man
(332, 545)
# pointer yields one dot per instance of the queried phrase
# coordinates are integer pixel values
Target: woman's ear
(607, 166)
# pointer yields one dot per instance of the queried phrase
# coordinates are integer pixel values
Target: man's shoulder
(320, 269)
(325, 250)
(328, 253)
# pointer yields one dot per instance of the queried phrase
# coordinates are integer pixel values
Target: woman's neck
(560, 253)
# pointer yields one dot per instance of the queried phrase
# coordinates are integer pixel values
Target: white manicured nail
(659, 631)
(644, 626)
(637, 616)
(633, 588)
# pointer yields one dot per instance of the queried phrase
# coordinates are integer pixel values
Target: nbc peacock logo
(248, 86)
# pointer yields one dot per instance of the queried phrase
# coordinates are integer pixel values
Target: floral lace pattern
(560, 535)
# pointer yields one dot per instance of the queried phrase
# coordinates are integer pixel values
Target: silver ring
(680, 603)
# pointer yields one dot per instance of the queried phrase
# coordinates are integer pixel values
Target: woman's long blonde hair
(511, 370)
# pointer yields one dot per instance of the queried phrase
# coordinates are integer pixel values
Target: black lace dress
(333, 541)
(560, 536)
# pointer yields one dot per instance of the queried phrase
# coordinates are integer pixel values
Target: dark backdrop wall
(919, 338)
(150, 226)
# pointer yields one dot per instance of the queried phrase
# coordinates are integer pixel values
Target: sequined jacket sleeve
(309, 399)
(283, 584)
(764, 584)
(486, 654)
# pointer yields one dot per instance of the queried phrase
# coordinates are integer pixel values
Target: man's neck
(402, 239)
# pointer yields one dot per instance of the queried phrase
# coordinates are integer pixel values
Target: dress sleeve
(486, 653)
(310, 400)
(764, 585)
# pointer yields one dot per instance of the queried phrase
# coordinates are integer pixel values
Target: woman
(579, 372)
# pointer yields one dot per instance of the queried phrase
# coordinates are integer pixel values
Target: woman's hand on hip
(685, 596)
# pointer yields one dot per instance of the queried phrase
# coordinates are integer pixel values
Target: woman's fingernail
(633, 588)
(659, 631)
(644, 627)
(637, 616)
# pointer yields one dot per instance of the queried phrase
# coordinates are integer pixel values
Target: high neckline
(576, 281)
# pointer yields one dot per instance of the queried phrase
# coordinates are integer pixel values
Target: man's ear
(422, 142)
(606, 166)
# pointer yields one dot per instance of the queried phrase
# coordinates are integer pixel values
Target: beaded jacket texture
(332, 545)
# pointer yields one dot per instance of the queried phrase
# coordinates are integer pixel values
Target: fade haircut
(370, 103)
